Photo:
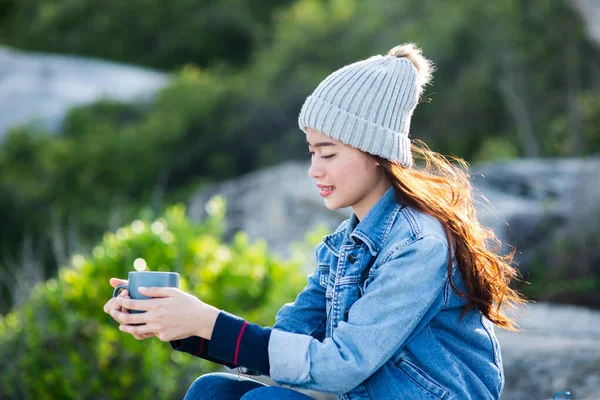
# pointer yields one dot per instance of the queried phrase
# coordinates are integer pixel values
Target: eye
(323, 157)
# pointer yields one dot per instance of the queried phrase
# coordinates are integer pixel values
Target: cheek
(351, 170)
(351, 179)
(343, 173)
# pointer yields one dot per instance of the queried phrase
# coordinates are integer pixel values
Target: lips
(325, 190)
(325, 187)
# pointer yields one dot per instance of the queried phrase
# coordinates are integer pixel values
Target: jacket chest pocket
(323, 275)
(326, 280)
(366, 279)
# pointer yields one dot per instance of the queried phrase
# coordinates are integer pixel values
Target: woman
(406, 294)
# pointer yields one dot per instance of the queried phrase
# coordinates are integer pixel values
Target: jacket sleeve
(235, 342)
(198, 347)
(397, 302)
(238, 343)
(307, 314)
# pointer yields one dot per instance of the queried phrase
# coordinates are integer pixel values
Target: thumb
(114, 282)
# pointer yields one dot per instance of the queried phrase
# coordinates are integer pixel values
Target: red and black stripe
(239, 342)
(234, 342)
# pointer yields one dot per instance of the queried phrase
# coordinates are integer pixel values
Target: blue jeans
(222, 386)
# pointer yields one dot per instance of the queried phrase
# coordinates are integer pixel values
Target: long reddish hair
(443, 190)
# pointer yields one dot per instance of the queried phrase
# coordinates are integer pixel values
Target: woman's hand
(171, 314)
(112, 305)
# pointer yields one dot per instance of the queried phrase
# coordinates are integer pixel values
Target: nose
(315, 171)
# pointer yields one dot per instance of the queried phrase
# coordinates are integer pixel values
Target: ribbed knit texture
(367, 105)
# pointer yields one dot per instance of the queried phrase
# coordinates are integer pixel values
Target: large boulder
(279, 204)
(590, 13)
(528, 200)
(42, 87)
(557, 350)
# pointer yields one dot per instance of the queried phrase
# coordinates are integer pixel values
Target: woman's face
(347, 176)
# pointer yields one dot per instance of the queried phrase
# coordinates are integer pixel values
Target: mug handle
(118, 289)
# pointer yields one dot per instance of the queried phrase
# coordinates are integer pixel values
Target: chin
(332, 205)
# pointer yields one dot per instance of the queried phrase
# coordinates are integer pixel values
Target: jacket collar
(374, 227)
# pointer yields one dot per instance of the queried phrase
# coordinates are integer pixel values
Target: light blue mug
(147, 279)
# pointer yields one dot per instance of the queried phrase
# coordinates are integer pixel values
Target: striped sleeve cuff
(198, 347)
(236, 341)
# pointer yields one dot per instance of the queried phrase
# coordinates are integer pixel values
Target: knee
(214, 378)
(208, 385)
(272, 393)
(261, 393)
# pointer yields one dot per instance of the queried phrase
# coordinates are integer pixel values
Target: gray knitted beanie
(368, 104)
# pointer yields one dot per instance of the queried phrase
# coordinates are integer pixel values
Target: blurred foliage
(163, 34)
(515, 78)
(109, 161)
(60, 344)
(506, 69)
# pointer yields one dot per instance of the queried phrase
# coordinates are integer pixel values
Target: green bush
(164, 34)
(109, 161)
(60, 344)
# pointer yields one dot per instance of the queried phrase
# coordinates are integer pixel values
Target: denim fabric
(221, 386)
(378, 318)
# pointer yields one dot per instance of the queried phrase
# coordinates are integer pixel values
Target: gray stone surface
(279, 204)
(590, 13)
(42, 87)
(530, 199)
(558, 350)
(527, 199)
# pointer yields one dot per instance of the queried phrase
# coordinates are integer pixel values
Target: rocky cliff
(42, 87)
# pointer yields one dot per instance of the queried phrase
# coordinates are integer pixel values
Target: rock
(279, 204)
(558, 350)
(589, 10)
(529, 199)
(42, 87)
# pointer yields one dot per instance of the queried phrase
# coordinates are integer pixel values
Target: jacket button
(351, 258)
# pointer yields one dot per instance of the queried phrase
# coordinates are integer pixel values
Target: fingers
(158, 291)
(108, 304)
(139, 332)
(126, 318)
(114, 282)
(112, 304)
(124, 295)
(144, 336)
(142, 305)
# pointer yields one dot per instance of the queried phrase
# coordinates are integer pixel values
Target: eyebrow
(322, 144)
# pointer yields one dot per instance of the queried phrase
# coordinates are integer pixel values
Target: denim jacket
(378, 318)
